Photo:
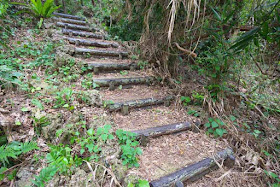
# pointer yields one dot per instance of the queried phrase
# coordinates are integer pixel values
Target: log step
(73, 26)
(163, 130)
(83, 42)
(98, 52)
(122, 81)
(197, 170)
(81, 33)
(124, 106)
(98, 66)
(72, 21)
(68, 16)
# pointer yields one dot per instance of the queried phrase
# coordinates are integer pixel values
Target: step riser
(82, 51)
(112, 67)
(75, 27)
(124, 81)
(69, 16)
(138, 104)
(71, 21)
(80, 33)
(195, 171)
(80, 42)
(163, 130)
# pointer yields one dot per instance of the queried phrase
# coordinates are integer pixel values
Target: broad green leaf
(214, 124)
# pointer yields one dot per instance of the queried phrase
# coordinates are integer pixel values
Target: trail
(174, 148)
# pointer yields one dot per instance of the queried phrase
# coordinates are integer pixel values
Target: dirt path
(136, 101)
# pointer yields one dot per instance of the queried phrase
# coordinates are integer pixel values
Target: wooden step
(163, 130)
(81, 33)
(73, 26)
(98, 52)
(72, 21)
(83, 42)
(68, 16)
(197, 170)
(126, 105)
(98, 66)
(112, 82)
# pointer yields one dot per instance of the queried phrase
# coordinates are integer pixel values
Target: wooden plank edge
(197, 170)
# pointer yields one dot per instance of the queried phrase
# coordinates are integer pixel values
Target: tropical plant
(39, 9)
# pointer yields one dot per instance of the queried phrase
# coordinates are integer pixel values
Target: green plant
(140, 183)
(129, 148)
(142, 64)
(194, 113)
(64, 98)
(39, 123)
(274, 176)
(60, 156)
(10, 153)
(215, 127)
(185, 100)
(124, 72)
(46, 174)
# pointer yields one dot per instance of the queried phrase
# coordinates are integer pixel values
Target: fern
(28, 146)
(45, 175)
(6, 152)
(15, 149)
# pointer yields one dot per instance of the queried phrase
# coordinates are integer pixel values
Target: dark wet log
(195, 171)
(122, 81)
(98, 52)
(138, 103)
(114, 66)
(83, 42)
(68, 16)
(73, 26)
(72, 21)
(163, 130)
(81, 33)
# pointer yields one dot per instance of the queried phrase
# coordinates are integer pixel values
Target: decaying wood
(122, 81)
(138, 103)
(98, 52)
(114, 66)
(73, 26)
(83, 42)
(195, 171)
(73, 21)
(194, 55)
(81, 33)
(163, 130)
(68, 16)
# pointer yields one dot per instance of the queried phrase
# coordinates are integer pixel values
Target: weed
(215, 127)
(185, 100)
(129, 148)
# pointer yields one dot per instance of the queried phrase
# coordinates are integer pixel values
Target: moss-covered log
(73, 26)
(81, 33)
(122, 81)
(98, 52)
(68, 16)
(139, 103)
(195, 171)
(163, 130)
(83, 42)
(72, 21)
(113, 66)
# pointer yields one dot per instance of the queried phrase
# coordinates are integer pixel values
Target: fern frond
(5, 153)
(45, 176)
(28, 146)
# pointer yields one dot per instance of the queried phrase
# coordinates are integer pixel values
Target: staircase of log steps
(136, 97)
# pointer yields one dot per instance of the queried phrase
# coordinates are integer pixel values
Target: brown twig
(191, 53)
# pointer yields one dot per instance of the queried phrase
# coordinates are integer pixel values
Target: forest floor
(61, 101)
